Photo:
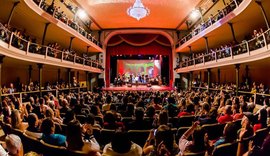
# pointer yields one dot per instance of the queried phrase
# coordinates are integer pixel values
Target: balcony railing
(22, 96)
(245, 47)
(211, 20)
(71, 23)
(15, 40)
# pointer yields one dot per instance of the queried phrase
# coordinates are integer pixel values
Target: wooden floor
(138, 88)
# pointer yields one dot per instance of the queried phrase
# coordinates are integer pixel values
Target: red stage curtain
(126, 49)
(138, 39)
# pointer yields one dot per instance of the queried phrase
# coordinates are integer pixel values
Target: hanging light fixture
(138, 10)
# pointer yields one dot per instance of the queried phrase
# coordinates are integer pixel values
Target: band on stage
(137, 79)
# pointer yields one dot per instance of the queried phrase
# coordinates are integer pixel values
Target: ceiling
(112, 14)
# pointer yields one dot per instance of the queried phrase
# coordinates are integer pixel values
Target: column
(78, 76)
(44, 33)
(190, 52)
(209, 78)
(90, 81)
(232, 30)
(179, 84)
(11, 12)
(30, 69)
(70, 43)
(58, 75)
(200, 76)
(263, 13)
(40, 69)
(87, 80)
(206, 44)
(218, 75)
(69, 78)
(1, 62)
(237, 67)
(190, 79)
(247, 76)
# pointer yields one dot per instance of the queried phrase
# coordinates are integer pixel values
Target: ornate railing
(57, 14)
(15, 40)
(255, 43)
(211, 20)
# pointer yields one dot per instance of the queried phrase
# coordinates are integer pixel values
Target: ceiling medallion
(138, 10)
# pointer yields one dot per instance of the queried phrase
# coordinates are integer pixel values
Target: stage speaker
(149, 85)
(129, 85)
(177, 82)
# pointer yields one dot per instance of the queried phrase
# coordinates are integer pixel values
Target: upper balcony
(60, 29)
(12, 45)
(255, 49)
(214, 23)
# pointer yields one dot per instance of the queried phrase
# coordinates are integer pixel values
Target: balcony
(215, 22)
(247, 51)
(67, 25)
(14, 46)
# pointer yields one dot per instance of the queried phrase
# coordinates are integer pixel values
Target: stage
(138, 88)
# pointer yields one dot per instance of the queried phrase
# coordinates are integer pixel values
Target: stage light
(81, 14)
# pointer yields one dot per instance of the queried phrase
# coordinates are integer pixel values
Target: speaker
(129, 85)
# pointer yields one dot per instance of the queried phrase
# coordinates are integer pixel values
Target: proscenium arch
(109, 35)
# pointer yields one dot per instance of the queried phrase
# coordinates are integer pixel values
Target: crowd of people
(56, 12)
(211, 20)
(256, 41)
(83, 115)
(20, 40)
(17, 87)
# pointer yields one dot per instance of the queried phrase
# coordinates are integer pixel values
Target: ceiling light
(138, 10)
(81, 14)
(195, 14)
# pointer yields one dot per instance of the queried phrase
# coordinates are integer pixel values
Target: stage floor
(138, 88)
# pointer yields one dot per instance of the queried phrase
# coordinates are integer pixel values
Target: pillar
(232, 30)
(30, 69)
(40, 69)
(69, 78)
(209, 78)
(206, 44)
(218, 75)
(44, 33)
(12, 11)
(200, 76)
(78, 76)
(1, 62)
(190, 79)
(87, 80)
(237, 67)
(179, 84)
(70, 43)
(259, 2)
(247, 76)
(58, 75)
(190, 52)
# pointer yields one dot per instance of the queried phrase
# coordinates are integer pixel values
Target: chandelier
(138, 10)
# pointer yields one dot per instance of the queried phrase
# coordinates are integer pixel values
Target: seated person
(33, 124)
(75, 140)
(226, 117)
(139, 123)
(121, 146)
(16, 121)
(110, 121)
(13, 145)
(48, 129)
(262, 120)
(229, 134)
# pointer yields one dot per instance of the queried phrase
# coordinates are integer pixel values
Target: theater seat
(214, 131)
(260, 135)
(228, 149)
(81, 118)
(185, 121)
(138, 136)
(31, 144)
(180, 132)
(195, 154)
(106, 136)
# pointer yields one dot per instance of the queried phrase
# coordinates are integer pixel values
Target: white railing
(13, 39)
(211, 20)
(255, 43)
(42, 4)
